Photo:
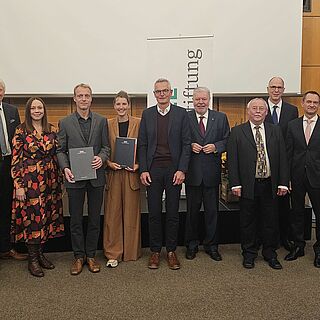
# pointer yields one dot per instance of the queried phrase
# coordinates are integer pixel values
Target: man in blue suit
(209, 133)
(164, 152)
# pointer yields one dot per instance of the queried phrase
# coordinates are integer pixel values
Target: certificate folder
(125, 152)
(80, 161)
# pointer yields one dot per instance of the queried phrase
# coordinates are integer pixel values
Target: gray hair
(255, 99)
(163, 80)
(2, 85)
(276, 78)
(202, 89)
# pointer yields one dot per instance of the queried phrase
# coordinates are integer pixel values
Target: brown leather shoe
(13, 254)
(154, 260)
(93, 265)
(173, 261)
(76, 266)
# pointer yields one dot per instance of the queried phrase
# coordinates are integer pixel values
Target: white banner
(187, 62)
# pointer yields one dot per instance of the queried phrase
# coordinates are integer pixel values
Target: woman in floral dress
(37, 200)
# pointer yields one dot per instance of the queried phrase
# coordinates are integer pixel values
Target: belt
(263, 179)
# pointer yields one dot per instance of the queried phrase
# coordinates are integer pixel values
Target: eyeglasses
(275, 88)
(164, 91)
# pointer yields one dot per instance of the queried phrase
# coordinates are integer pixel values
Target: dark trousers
(6, 190)
(259, 213)
(195, 196)
(162, 180)
(299, 191)
(284, 218)
(82, 245)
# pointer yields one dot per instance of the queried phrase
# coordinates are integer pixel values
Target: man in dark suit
(303, 148)
(9, 120)
(209, 132)
(258, 173)
(281, 113)
(84, 128)
(164, 152)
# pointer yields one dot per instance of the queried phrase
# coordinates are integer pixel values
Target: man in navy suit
(163, 152)
(258, 173)
(303, 148)
(209, 132)
(10, 119)
(281, 113)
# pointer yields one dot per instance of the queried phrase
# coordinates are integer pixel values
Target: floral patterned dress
(35, 168)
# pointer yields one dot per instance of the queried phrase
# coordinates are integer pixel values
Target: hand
(69, 176)
(145, 178)
(209, 148)
(282, 192)
(135, 168)
(96, 162)
(196, 148)
(114, 165)
(20, 194)
(236, 192)
(178, 178)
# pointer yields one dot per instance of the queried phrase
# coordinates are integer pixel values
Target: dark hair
(310, 92)
(27, 124)
(122, 94)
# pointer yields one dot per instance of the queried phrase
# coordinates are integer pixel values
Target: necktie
(201, 126)
(261, 167)
(307, 132)
(275, 115)
(3, 144)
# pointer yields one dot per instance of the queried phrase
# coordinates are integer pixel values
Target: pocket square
(12, 120)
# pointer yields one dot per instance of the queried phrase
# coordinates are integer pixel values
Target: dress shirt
(278, 110)
(204, 119)
(165, 111)
(5, 130)
(85, 125)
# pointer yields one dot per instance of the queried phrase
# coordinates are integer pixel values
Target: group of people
(272, 155)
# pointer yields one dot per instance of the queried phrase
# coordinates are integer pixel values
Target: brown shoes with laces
(173, 261)
(13, 254)
(76, 266)
(93, 265)
(154, 260)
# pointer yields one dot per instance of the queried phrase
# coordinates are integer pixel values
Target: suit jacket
(12, 120)
(207, 167)
(133, 130)
(303, 158)
(178, 138)
(288, 112)
(70, 136)
(242, 158)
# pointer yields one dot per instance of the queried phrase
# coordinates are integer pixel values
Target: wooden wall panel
(310, 78)
(235, 109)
(315, 9)
(311, 41)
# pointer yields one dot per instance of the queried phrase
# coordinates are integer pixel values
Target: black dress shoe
(191, 254)
(317, 261)
(275, 264)
(294, 254)
(248, 263)
(287, 244)
(214, 254)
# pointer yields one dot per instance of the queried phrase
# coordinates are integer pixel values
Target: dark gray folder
(80, 161)
(125, 152)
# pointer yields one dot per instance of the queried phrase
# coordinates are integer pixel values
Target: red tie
(201, 126)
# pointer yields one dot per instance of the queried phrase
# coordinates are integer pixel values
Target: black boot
(44, 262)
(33, 262)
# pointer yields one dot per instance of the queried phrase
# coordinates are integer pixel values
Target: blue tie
(274, 115)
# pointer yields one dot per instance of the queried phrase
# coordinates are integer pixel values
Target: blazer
(12, 119)
(70, 136)
(178, 138)
(303, 158)
(242, 158)
(288, 112)
(207, 167)
(133, 130)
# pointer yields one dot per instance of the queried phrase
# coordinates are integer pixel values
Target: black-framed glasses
(164, 91)
(276, 87)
